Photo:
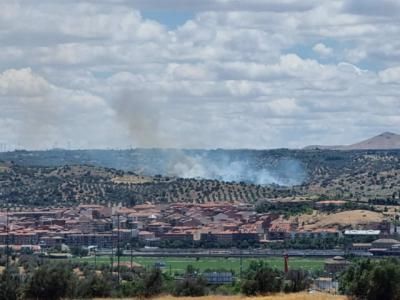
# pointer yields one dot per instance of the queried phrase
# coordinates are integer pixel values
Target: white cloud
(238, 74)
(322, 50)
(390, 75)
(22, 83)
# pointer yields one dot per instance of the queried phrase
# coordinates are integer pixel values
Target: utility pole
(7, 245)
(241, 263)
(131, 256)
(118, 250)
(286, 262)
(112, 244)
(7, 237)
(95, 259)
(131, 244)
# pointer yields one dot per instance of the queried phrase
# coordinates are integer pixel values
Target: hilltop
(384, 141)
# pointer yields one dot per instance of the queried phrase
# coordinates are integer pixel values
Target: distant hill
(131, 176)
(384, 141)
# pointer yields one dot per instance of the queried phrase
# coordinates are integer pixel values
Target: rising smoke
(140, 114)
(224, 167)
(143, 118)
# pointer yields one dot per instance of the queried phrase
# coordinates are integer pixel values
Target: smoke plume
(142, 116)
(247, 169)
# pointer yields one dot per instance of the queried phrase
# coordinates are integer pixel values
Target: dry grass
(345, 218)
(298, 296)
(132, 179)
(4, 169)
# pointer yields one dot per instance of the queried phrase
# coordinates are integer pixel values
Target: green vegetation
(179, 264)
(9, 284)
(370, 280)
(287, 208)
(65, 177)
(55, 280)
(262, 279)
(27, 186)
(191, 285)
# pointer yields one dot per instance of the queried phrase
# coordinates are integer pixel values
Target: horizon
(4, 147)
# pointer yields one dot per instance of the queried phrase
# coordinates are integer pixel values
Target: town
(183, 226)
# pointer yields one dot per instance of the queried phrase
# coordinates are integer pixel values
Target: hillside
(344, 219)
(130, 176)
(68, 185)
(384, 141)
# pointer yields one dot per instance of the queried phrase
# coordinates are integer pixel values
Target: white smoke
(284, 172)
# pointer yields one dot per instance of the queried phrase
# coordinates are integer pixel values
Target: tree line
(54, 281)
(369, 279)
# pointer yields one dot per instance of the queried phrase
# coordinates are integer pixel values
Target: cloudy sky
(197, 73)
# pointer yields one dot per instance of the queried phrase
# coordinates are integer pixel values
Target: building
(326, 284)
(225, 237)
(280, 230)
(315, 234)
(229, 237)
(361, 247)
(51, 241)
(25, 238)
(384, 243)
(336, 264)
(101, 240)
(218, 278)
(177, 236)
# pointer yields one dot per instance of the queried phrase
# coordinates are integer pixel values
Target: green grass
(179, 264)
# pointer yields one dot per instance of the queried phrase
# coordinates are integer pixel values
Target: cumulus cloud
(235, 74)
(373, 8)
(390, 75)
(322, 49)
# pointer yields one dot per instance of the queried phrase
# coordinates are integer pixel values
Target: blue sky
(171, 19)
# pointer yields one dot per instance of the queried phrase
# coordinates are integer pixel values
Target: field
(349, 218)
(298, 296)
(179, 264)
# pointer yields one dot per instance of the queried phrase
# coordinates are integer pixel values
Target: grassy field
(179, 264)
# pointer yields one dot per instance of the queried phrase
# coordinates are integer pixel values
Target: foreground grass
(297, 296)
(179, 264)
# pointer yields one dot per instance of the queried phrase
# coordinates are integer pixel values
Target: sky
(197, 73)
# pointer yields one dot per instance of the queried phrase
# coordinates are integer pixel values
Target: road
(226, 253)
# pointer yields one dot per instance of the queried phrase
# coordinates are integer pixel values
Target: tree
(384, 281)
(10, 284)
(50, 282)
(79, 251)
(94, 285)
(191, 287)
(370, 280)
(297, 280)
(354, 281)
(192, 284)
(261, 279)
(152, 282)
